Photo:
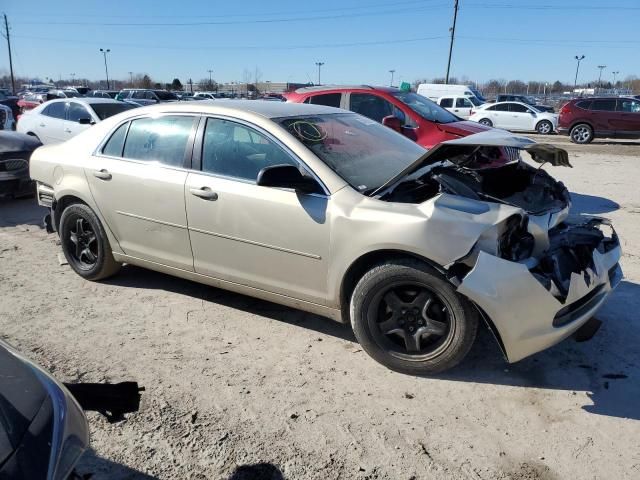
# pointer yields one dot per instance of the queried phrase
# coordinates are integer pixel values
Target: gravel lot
(238, 388)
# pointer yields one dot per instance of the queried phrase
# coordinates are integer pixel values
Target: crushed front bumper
(538, 303)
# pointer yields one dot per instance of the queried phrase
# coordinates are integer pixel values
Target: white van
(434, 91)
(461, 106)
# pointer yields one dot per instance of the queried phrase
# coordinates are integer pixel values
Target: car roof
(87, 100)
(259, 107)
(323, 88)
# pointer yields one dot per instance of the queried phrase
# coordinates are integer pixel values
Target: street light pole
(615, 74)
(73, 77)
(106, 70)
(130, 78)
(391, 72)
(601, 67)
(579, 59)
(210, 78)
(319, 65)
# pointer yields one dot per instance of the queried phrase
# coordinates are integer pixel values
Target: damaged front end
(536, 302)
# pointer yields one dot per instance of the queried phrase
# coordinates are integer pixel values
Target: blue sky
(359, 40)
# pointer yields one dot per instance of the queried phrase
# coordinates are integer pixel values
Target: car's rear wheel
(581, 133)
(544, 127)
(410, 319)
(85, 243)
(486, 121)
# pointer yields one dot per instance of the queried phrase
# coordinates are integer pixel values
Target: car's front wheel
(544, 127)
(410, 319)
(581, 133)
(85, 244)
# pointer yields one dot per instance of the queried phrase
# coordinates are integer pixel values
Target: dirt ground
(238, 388)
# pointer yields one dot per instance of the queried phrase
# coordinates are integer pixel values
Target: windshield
(425, 107)
(477, 94)
(105, 110)
(475, 101)
(163, 95)
(362, 151)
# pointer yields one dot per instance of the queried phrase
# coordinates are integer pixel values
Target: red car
(586, 118)
(413, 115)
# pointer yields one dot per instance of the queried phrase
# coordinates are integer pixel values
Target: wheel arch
(579, 122)
(366, 262)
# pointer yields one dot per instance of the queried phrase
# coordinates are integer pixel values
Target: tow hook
(588, 330)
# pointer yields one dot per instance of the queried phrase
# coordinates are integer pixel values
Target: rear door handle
(67, 130)
(204, 192)
(42, 125)
(102, 174)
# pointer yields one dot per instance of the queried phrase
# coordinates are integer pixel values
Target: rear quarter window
(584, 104)
(114, 145)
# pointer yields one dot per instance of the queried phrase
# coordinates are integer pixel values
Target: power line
(240, 47)
(401, 11)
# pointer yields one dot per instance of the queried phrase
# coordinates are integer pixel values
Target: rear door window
(327, 99)
(55, 110)
(163, 139)
(463, 103)
(608, 105)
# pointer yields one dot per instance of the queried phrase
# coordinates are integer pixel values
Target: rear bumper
(14, 177)
(533, 311)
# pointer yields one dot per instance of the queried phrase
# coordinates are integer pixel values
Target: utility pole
(210, 79)
(575, 81)
(7, 36)
(601, 67)
(73, 78)
(106, 70)
(453, 34)
(130, 78)
(391, 72)
(319, 65)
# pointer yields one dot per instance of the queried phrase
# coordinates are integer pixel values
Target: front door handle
(204, 192)
(102, 174)
(67, 130)
(42, 125)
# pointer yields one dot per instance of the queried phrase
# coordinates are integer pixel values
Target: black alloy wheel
(411, 321)
(82, 243)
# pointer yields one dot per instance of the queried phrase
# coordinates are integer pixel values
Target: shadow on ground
(99, 468)
(591, 205)
(21, 212)
(259, 471)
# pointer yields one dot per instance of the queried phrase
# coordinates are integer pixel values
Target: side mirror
(85, 121)
(287, 176)
(393, 123)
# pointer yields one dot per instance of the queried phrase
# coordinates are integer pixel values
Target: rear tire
(581, 133)
(407, 317)
(544, 127)
(85, 244)
(486, 121)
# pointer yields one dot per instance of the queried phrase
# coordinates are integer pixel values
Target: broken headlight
(516, 243)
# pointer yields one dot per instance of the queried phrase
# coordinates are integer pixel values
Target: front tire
(486, 121)
(85, 244)
(409, 318)
(581, 133)
(544, 127)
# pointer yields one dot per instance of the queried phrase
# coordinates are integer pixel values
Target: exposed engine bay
(477, 175)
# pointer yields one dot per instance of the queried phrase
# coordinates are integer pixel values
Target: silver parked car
(330, 212)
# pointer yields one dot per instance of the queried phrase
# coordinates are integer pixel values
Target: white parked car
(459, 105)
(207, 95)
(58, 120)
(515, 116)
